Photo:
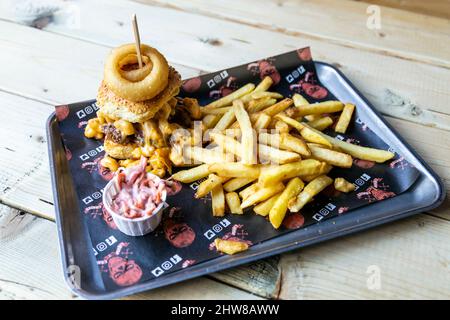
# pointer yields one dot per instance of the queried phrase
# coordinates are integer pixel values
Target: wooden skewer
(137, 40)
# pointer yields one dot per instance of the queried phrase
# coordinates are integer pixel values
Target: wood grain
(403, 34)
(411, 255)
(30, 266)
(31, 190)
(210, 45)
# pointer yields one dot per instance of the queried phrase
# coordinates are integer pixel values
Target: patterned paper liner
(187, 231)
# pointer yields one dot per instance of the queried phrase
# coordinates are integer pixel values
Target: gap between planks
(392, 95)
(90, 82)
(299, 18)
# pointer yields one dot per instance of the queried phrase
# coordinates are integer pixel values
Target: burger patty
(115, 135)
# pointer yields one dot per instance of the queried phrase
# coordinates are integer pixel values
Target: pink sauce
(140, 194)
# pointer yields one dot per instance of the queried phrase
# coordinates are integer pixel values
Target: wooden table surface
(402, 68)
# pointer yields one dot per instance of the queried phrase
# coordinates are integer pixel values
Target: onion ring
(142, 90)
(135, 75)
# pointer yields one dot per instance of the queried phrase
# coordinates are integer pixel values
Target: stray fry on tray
(230, 246)
(343, 185)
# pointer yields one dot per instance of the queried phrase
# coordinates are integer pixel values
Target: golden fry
(274, 174)
(228, 99)
(278, 107)
(285, 141)
(260, 104)
(210, 120)
(321, 123)
(262, 121)
(364, 153)
(206, 186)
(218, 201)
(293, 123)
(261, 194)
(248, 140)
(230, 246)
(235, 169)
(311, 135)
(345, 117)
(343, 185)
(276, 156)
(264, 94)
(299, 100)
(209, 156)
(222, 110)
(315, 108)
(263, 208)
(225, 121)
(311, 190)
(264, 85)
(244, 194)
(335, 158)
(278, 211)
(233, 203)
(236, 183)
(191, 175)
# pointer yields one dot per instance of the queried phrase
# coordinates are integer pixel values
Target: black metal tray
(79, 264)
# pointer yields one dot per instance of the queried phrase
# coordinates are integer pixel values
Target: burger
(137, 109)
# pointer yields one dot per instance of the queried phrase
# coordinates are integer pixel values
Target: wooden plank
(211, 44)
(436, 8)
(411, 256)
(30, 266)
(403, 34)
(34, 184)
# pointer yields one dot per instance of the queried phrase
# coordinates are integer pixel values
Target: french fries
(312, 135)
(246, 165)
(235, 170)
(226, 121)
(276, 156)
(218, 201)
(206, 186)
(222, 110)
(345, 117)
(299, 100)
(230, 246)
(343, 185)
(260, 104)
(264, 85)
(278, 107)
(335, 158)
(236, 183)
(312, 189)
(274, 174)
(321, 123)
(264, 94)
(233, 203)
(285, 141)
(191, 175)
(315, 108)
(364, 153)
(261, 194)
(228, 99)
(263, 208)
(279, 208)
(248, 140)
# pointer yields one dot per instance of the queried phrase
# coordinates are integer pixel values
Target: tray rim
(145, 286)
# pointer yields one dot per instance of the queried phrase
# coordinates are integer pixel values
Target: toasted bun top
(116, 107)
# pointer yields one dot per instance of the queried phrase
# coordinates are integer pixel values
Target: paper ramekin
(138, 226)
